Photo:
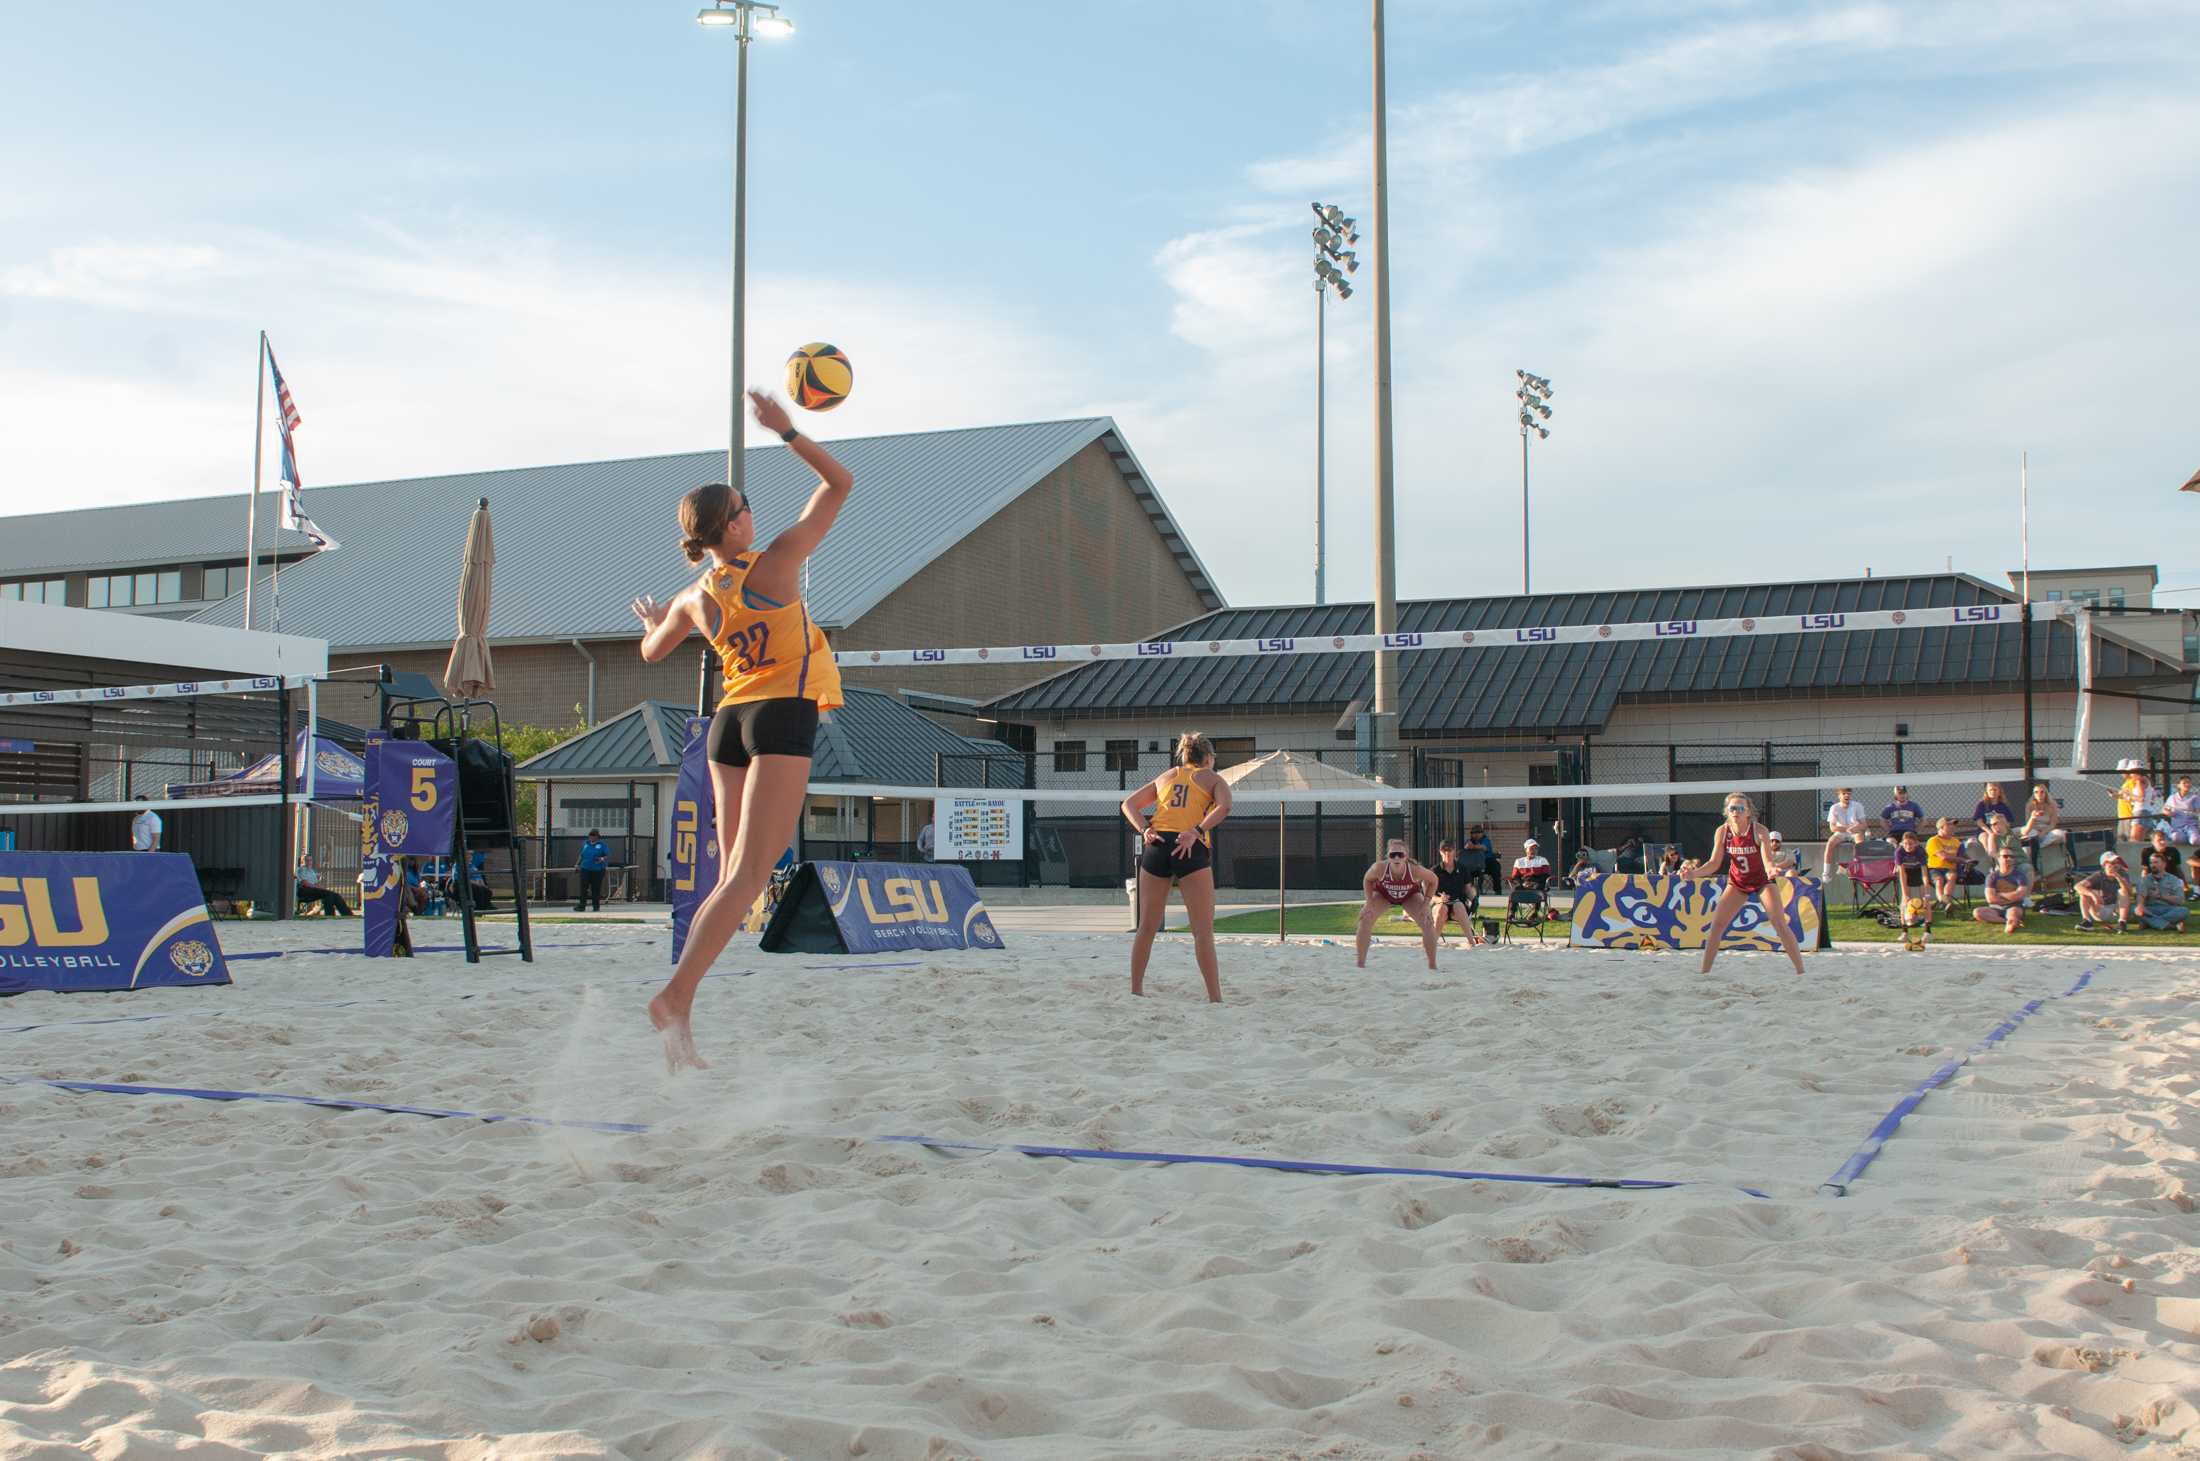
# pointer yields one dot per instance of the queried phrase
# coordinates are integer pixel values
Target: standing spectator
(1669, 865)
(594, 859)
(2137, 802)
(1909, 872)
(1629, 857)
(2042, 824)
(145, 831)
(2095, 889)
(2160, 846)
(1845, 822)
(1901, 815)
(1478, 840)
(1990, 804)
(1944, 861)
(2161, 896)
(2006, 886)
(2183, 809)
(925, 842)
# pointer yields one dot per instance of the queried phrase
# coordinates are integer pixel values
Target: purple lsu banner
(90, 921)
(413, 787)
(694, 833)
(1656, 911)
(881, 907)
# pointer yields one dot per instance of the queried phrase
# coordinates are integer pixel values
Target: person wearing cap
(1780, 857)
(1944, 861)
(1901, 814)
(2095, 889)
(2161, 896)
(2182, 807)
(1531, 873)
(2006, 886)
(2137, 802)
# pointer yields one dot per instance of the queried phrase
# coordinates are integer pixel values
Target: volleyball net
(1655, 762)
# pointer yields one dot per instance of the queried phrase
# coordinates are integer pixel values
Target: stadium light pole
(1534, 396)
(1386, 551)
(747, 19)
(1332, 261)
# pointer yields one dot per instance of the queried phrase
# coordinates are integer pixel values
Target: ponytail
(1193, 749)
(704, 516)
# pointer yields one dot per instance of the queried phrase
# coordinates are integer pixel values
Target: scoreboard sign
(978, 829)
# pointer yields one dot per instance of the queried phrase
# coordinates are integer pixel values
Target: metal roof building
(576, 543)
(1574, 689)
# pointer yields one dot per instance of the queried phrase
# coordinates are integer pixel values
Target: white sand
(754, 1279)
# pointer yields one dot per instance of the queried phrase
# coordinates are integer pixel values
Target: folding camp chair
(1527, 905)
(1872, 882)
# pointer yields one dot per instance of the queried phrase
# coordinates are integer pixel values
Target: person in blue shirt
(1901, 815)
(477, 881)
(595, 857)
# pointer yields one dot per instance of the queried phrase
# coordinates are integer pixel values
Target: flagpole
(252, 509)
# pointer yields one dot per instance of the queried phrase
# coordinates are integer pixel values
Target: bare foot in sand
(679, 1039)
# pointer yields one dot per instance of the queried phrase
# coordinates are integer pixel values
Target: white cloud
(124, 369)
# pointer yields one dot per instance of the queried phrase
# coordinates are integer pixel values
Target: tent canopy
(1258, 779)
(338, 775)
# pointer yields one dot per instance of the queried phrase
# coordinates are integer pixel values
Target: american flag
(288, 420)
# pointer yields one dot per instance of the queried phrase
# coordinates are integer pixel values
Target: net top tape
(172, 691)
(1955, 616)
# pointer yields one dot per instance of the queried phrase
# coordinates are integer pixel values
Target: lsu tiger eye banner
(89, 921)
(1649, 911)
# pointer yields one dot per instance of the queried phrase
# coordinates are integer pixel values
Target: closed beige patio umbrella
(1262, 777)
(469, 672)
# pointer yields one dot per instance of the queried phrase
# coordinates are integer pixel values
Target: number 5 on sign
(423, 790)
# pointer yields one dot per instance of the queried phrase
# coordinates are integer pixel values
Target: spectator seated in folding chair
(1529, 902)
(1944, 863)
(1875, 881)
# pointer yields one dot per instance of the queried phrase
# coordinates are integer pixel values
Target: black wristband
(789, 435)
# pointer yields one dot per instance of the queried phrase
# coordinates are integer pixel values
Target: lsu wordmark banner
(1648, 911)
(878, 908)
(694, 834)
(89, 921)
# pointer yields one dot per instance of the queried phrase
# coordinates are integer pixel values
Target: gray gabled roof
(872, 738)
(643, 740)
(139, 535)
(1573, 688)
(576, 543)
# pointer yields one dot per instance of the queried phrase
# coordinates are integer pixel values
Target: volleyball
(819, 377)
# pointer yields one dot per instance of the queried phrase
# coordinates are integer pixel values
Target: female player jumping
(1188, 802)
(1740, 847)
(779, 674)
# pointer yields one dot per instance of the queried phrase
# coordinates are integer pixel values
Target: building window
(2192, 652)
(1232, 750)
(2054, 595)
(1069, 755)
(606, 814)
(2090, 597)
(38, 591)
(222, 582)
(135, 590)
(1123, 755)
(2115, 598)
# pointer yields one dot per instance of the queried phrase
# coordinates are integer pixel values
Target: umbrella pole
(1281, 808)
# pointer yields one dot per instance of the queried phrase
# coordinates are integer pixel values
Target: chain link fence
(1328, 845)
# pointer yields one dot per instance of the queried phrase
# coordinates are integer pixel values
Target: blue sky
(1807, 277)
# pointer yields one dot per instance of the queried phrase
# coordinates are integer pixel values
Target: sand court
(755, 1275)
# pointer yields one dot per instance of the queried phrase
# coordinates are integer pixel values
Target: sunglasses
(1397, 857)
